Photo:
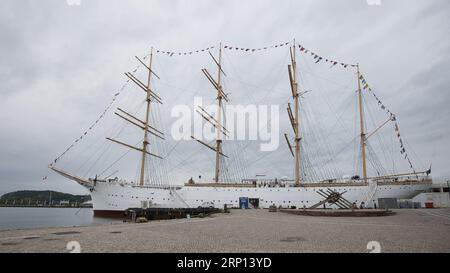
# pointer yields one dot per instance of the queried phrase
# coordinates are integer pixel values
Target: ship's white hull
(114, 197)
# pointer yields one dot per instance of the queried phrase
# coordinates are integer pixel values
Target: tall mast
(143, 124)
(294, 117)
(215, 121)
(361, 123)
(146, 122)
(297, 118)
(219, 115)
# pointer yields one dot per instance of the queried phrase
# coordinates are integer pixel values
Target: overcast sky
(60, 66)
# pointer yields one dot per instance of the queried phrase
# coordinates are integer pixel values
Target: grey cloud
(60, 66)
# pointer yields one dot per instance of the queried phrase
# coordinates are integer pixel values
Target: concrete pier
(417, 230)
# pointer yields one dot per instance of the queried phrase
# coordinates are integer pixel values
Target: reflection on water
(23, 218)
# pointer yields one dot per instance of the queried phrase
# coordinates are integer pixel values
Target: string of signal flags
(301, 49)
(316, 57)
(100, 117)
(403, 152)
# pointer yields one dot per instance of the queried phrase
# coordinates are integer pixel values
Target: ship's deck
(381, 182)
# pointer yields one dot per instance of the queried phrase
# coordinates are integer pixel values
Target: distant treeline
(46, 198)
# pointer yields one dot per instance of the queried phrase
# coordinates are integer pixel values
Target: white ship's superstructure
(113, 196)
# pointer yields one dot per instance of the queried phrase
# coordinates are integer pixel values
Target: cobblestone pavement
(248, 231)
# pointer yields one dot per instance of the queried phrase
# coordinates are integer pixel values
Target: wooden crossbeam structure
(208, 146)
(289, 144)
(146, 89)
(143, 124)
(132, 147)
(215, 84)
(215, 121)
(146, 66)
(291, 118)
(140, 126)
(292, 81)
(377, 129)
(205, 115)
(332, 197)
(294, 116)
(217, 63)
(212, 122)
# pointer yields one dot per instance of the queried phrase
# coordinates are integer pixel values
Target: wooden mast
(215, 121)
(219, 116)
(151, 96)
(361, 123)
(294, 117)
(146, 122)
(297, 119)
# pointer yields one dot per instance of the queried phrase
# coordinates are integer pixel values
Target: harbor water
(25, 218)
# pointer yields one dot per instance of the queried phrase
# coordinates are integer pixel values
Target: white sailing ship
(111, 197)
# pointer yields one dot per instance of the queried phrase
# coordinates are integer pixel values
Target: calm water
(23, 218)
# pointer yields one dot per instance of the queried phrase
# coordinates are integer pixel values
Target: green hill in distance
(41, 197)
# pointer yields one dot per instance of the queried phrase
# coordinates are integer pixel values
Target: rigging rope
(393, 118)
(76, 141)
